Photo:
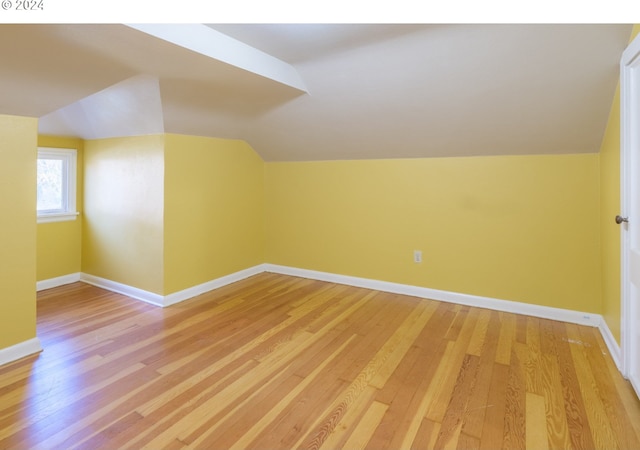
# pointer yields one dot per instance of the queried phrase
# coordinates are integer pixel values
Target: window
(56, 184)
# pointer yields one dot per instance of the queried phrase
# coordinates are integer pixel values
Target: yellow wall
(610, 207)
(522, 228)
(214, 209)
(123, 211)
(18, 150)
(59, 243)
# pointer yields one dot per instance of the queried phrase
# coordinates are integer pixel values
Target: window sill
(62, 217)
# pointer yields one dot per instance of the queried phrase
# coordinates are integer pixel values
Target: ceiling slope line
(211, 43)
(131, 107)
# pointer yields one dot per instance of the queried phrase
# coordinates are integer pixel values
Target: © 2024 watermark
(22, 5)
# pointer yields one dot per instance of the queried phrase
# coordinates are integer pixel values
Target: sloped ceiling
(364, 91)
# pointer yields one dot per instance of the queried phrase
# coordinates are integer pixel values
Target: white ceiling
(366, 91)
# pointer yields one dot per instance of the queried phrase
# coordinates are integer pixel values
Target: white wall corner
(57, 281)
(19, 351)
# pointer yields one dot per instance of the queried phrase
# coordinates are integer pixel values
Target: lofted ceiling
(300, 92)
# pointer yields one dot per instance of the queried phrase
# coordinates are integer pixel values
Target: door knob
(620, 219)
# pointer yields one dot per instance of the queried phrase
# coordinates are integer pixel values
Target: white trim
(200, 289)
(176, 297)
(69, 157)
(19, 351)
(57, 217)
(57, 281)
(545, 312)
(612, 344)
(629, 63)
(120, 288)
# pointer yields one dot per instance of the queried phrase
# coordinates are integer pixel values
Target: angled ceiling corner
(206, 41)
(132, 107)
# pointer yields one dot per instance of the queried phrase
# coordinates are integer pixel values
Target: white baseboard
(614, 349)
(176, 297)
(544, 312)
(57, 281)
(194, 291)
(124, 289)
(19, 351)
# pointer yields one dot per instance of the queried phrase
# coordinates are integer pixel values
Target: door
(630, 214)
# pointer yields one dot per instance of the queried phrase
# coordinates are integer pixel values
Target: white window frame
(69, 158)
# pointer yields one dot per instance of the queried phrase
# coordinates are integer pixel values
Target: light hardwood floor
(281, 362)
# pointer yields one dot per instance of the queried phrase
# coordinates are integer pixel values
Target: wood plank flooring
(275, 362)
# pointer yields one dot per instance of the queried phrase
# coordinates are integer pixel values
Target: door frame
(629, 135)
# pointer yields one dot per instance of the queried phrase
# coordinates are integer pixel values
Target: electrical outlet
(417, 256)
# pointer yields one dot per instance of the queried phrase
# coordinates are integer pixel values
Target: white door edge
(629, 129)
